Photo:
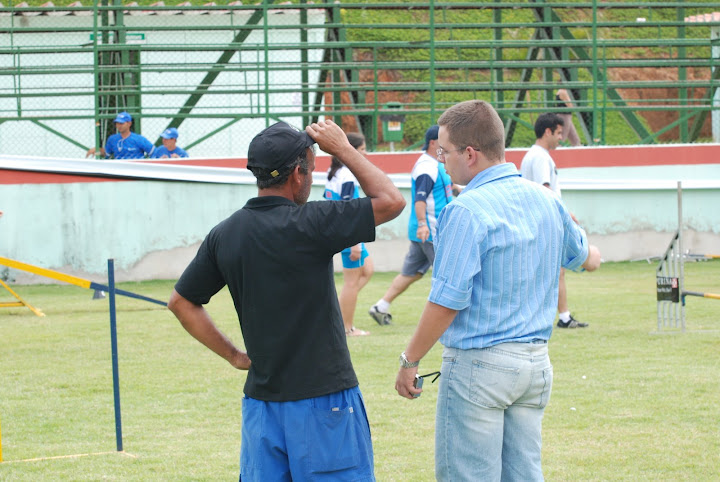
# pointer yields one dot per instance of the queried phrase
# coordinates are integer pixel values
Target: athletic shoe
(380, 317)
(571, 323)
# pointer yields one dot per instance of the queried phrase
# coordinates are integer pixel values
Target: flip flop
(355, 332)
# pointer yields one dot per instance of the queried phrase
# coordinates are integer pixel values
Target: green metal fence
(638, 72)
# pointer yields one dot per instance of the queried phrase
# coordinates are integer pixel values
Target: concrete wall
(152, 228)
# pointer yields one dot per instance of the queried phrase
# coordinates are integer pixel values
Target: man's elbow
(593, 260)
(175, 303)
(397, 205)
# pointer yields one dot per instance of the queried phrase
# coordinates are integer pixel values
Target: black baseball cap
(277, 146)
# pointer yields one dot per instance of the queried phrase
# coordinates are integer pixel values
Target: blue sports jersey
(163, 151)
(134, 147)
(431, 184)
(343, 186)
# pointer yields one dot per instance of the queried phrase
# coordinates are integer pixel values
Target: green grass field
(627, 404)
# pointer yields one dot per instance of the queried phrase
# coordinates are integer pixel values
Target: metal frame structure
(670, 279)
(670, 275)
(513, 54)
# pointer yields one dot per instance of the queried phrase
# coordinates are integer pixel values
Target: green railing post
(432, 62)
(266, 62)
(548, 55)
(106, 100)
(96, 75)
(336, 71)
(595, 73)
(682, 72)
(603, 121)
(304, 74)
(376, 100)
(126, 76)
(497, 54)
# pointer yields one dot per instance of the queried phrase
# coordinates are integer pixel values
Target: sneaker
(571, 323)
(380, 317)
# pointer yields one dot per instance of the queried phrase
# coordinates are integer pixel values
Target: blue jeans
(489, 412)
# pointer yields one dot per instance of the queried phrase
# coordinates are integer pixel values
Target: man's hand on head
(329, 137)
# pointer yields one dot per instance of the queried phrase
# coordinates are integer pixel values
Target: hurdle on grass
(670, 279)
(65, 278)
(83, 283)
(19, 302)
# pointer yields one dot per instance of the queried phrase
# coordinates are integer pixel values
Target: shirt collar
(540, 147)
(268, 201)
(493, 173)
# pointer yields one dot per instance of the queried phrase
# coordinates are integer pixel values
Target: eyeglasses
(442, 151)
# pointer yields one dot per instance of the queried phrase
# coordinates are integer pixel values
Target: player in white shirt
(357, 265)
(539, 167)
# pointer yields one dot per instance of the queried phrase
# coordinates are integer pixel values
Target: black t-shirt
(276, 259)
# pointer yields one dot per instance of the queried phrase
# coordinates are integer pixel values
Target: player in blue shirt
(169, 148)
(125, 144)
(431, 191)
(357, 265)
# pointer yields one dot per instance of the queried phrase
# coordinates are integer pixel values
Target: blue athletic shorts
(350, 264)
(324, 438)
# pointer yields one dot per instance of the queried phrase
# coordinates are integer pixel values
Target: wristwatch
(405, 363)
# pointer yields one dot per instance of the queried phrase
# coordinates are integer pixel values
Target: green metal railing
(637, 71)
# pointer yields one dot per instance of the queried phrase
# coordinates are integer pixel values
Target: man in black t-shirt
(303, 414)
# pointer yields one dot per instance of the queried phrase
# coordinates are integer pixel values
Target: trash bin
(392, 124)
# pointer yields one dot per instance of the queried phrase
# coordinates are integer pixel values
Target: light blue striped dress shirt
(498, 254)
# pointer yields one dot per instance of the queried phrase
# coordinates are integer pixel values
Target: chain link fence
(638, 72)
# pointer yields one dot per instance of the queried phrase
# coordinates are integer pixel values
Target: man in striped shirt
(499, 249)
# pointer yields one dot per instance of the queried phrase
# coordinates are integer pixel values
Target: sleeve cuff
(448, 296)
(575, 264)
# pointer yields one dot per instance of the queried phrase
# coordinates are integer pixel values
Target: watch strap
(405, 363)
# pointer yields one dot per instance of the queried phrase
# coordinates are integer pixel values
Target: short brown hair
(476, 124)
